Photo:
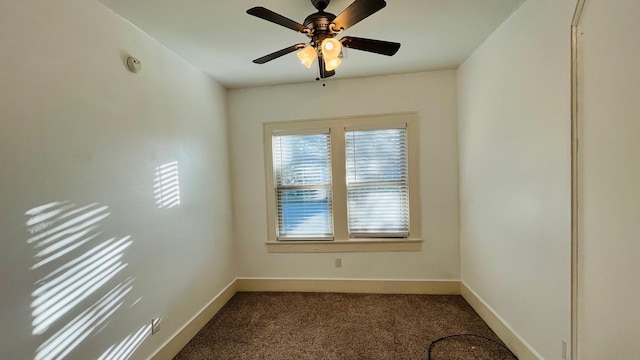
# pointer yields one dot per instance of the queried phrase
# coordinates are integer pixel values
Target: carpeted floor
(282, 326)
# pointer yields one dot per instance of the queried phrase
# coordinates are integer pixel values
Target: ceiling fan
(322, 28)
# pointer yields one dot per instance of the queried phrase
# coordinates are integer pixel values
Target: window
(343, 184)
(377, 183)
(302, 168)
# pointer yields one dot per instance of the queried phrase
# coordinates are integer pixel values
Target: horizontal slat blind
(377, 183)
(302, 169)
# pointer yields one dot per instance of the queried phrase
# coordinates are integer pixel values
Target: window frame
(341, 241)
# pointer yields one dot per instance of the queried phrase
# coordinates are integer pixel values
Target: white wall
(77, 126)
(515, 188)
(431, 94)
(609, 273)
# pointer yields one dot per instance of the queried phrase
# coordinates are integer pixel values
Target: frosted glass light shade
(307, 55)
(332, 64)
(331, 48)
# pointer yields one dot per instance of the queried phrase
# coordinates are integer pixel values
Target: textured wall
(515, 173)
(94, 242)
(609, 282)
(432, 95)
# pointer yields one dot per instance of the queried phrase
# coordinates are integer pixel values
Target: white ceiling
(221, 39)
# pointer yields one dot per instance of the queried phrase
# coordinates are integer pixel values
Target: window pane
(304, 213)
(377, 183)
(302, 168)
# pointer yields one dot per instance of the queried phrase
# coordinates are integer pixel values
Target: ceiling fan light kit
(307, 55)
(332, 64)
(331, 48)
(322, 28)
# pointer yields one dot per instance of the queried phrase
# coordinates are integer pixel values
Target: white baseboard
(435, 287)
(505, 332)
(173, 346)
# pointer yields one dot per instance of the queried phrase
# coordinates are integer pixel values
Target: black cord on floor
(470, 335)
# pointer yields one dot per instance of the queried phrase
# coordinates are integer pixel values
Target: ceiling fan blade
(278, 53)
(357, 11)
(370, 45)
(276, 18)
(324, 73)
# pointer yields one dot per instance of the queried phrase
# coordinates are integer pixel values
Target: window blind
(377, 183)
(302, 168)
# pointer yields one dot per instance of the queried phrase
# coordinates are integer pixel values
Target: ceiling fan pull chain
(324, 81)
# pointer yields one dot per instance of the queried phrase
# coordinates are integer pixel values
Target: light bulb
(331, 48)
(332, 64)
(307, 55)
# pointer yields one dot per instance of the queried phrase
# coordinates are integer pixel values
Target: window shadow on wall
(166, 186)
(80, 276)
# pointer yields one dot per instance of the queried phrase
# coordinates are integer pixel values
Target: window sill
(356, 245)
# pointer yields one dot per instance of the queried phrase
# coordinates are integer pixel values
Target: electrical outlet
(564, 348)
(338, 262)
(155, 325)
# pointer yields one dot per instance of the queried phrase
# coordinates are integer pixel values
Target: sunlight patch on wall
(128, 346)
(59, 228)
(71, 300)
(75, 331)
(166, 186)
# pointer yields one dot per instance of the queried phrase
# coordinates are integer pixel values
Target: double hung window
(302, 168)
(377, 183)
(349, 184)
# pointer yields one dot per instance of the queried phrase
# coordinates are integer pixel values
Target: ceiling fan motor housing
(320, 4)
(319, 25)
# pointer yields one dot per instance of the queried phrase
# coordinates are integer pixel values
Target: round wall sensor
(134, 64)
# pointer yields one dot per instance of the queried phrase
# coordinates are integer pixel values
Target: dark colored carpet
(283, 326)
